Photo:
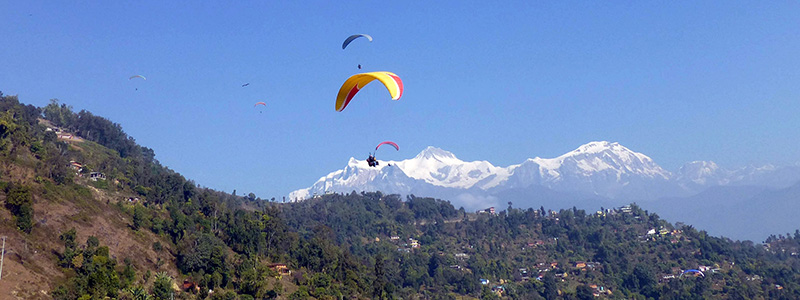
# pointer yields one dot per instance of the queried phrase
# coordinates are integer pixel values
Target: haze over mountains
(597, 174)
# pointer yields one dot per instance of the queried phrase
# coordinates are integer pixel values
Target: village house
(536, 243)
(489, 210)
(394, 238)
(580, 265)
(523, 272)
(462, 256)
(282, 269)
(75, 166)
(94, 176)
(499, 290)
(413, 243)
(189, 285)
(599, 290)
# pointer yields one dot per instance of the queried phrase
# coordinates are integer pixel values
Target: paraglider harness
(371, 161)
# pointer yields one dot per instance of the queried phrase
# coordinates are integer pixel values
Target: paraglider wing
(356, 82)
(137, 76)
(388, 143)
(353, 37)
(260, 103)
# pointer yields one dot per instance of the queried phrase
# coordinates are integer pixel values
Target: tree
(550, 288)
(379, 285)
(20, 203)
(584, 292)
(138, 216)
(162, 287)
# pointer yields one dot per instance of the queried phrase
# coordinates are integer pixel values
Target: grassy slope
(31, 269)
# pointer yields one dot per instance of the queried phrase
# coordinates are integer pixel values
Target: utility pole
(2, 256)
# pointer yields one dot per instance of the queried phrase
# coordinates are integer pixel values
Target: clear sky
(497, 81)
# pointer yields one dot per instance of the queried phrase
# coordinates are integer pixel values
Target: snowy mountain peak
(435, 153)
(599, 146)
(604, 147)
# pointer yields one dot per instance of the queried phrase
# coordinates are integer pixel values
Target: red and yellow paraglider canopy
(356, 82)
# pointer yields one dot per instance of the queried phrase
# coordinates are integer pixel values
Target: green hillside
(90, 214)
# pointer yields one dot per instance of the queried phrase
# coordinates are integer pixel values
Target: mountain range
(597, 174)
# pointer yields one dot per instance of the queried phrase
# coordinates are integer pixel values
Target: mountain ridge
(601, 168)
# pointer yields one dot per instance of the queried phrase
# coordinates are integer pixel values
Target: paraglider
(356, 82)
(259, 103)
(353, 37)
(246, 84)
(371, 161)
(693, 273)
(137, 76)
(388, 143)
(349, 39)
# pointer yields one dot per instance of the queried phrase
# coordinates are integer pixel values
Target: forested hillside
(90, 214)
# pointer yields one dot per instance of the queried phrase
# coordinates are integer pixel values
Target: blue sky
(487, 81)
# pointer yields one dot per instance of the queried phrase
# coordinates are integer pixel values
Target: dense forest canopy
(356, 245)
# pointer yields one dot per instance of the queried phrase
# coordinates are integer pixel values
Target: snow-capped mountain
(700, 174)
(601, 168)
(597, 170)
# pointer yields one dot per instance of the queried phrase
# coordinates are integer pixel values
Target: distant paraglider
(137, 76)
(353, 37)
(246, 84)
(259, 103)
(349, 39)
(356, 82)
(372, 161)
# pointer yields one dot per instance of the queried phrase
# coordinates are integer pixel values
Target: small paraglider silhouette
(137, 76)
(353, 37)
(260, 103)
(359, 66)
(246, 84)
